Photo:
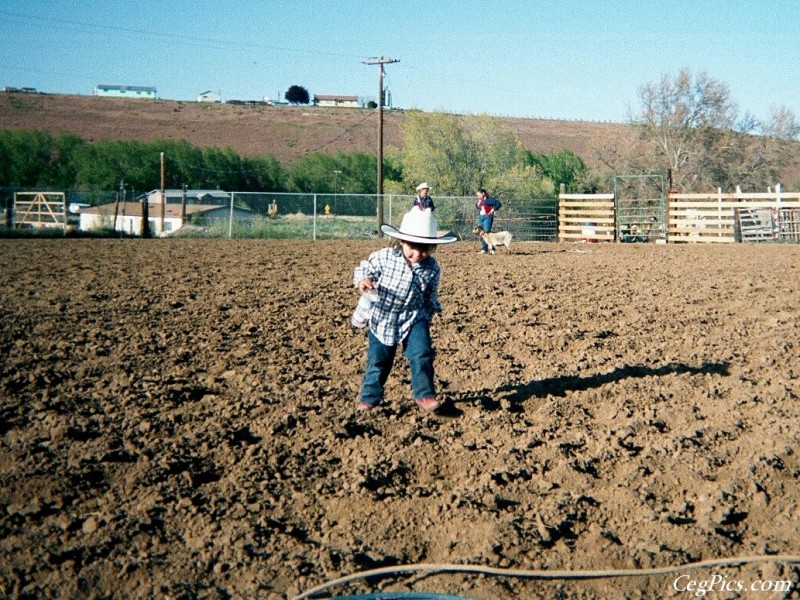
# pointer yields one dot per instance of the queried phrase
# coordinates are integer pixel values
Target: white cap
(423, 186)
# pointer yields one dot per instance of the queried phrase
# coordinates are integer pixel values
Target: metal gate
(641, 208)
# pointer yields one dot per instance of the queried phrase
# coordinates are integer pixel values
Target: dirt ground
(178, 421)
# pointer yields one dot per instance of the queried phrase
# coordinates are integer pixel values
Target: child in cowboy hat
(422, 200)
(406, 279)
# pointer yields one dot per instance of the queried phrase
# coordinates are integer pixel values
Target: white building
(126, 217)
(340, 101)
(125, 91)
(209, 96)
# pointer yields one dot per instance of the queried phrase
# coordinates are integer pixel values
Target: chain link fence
(354, 216)
(309, 216)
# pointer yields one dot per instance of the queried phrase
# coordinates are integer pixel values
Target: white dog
(501, 238)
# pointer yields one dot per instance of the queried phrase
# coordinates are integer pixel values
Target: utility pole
(183, 206)
(120, 198)
(163, 194)
(380, 62)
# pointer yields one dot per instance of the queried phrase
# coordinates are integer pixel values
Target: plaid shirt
(406, 294)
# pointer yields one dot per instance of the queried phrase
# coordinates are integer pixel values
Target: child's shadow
(516, 394)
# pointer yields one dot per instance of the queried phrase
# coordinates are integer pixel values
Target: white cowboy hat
(423, 186)
(418, 226)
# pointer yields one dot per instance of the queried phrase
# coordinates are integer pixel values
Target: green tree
(64, 150)
(312, 172)
(297, 94)
(222, 168)
(263, 174)
(439, 149)
(350, 173)
(26, 158)
(359, 172)
(102, 165)
(459, 154)
(558, 167)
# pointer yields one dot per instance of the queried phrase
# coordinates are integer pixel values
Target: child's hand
(365, 284)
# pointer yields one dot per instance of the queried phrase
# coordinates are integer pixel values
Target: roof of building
(171, 193)
(127, 88)
(333, 97)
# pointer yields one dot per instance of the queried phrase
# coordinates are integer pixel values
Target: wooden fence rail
(717, 218)
(714, 218)
(586, 217)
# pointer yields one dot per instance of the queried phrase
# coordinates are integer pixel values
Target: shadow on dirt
(516, 394)
(558, 386)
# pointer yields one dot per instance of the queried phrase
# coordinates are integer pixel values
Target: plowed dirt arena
(178, 420)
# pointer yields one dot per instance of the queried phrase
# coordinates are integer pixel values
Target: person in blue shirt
(422, 200)
(406, 279)
(486, 206)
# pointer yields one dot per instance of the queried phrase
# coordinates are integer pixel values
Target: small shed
(126, 217)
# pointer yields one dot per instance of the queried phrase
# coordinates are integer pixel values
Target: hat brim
(395, 233)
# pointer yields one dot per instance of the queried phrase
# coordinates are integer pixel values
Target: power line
(172, 35)
(345, 132)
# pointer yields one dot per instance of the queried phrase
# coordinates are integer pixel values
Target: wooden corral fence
(40, 209)
(717, 218)
(586, 217)
(733, 217)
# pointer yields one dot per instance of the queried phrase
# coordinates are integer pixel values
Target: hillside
(286, 132)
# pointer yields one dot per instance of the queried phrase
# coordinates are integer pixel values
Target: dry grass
(286, 132)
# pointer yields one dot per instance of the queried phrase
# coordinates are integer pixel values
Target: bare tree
(688, 124)
(682, 120)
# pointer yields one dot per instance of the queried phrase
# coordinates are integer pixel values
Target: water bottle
(363, 312)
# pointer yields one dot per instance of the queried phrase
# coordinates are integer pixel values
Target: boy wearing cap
(422, 200)
(406, 279)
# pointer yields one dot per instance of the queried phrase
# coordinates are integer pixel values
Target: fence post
(230, 219)
(314, 220)
(146, 217)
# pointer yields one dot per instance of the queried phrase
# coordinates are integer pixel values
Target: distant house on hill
(209, 96)
(125, 91)
(346, 101)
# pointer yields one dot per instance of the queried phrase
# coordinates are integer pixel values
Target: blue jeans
(485, 222)
(419, 351)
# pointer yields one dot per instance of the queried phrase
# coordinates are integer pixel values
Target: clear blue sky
(583, 60)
